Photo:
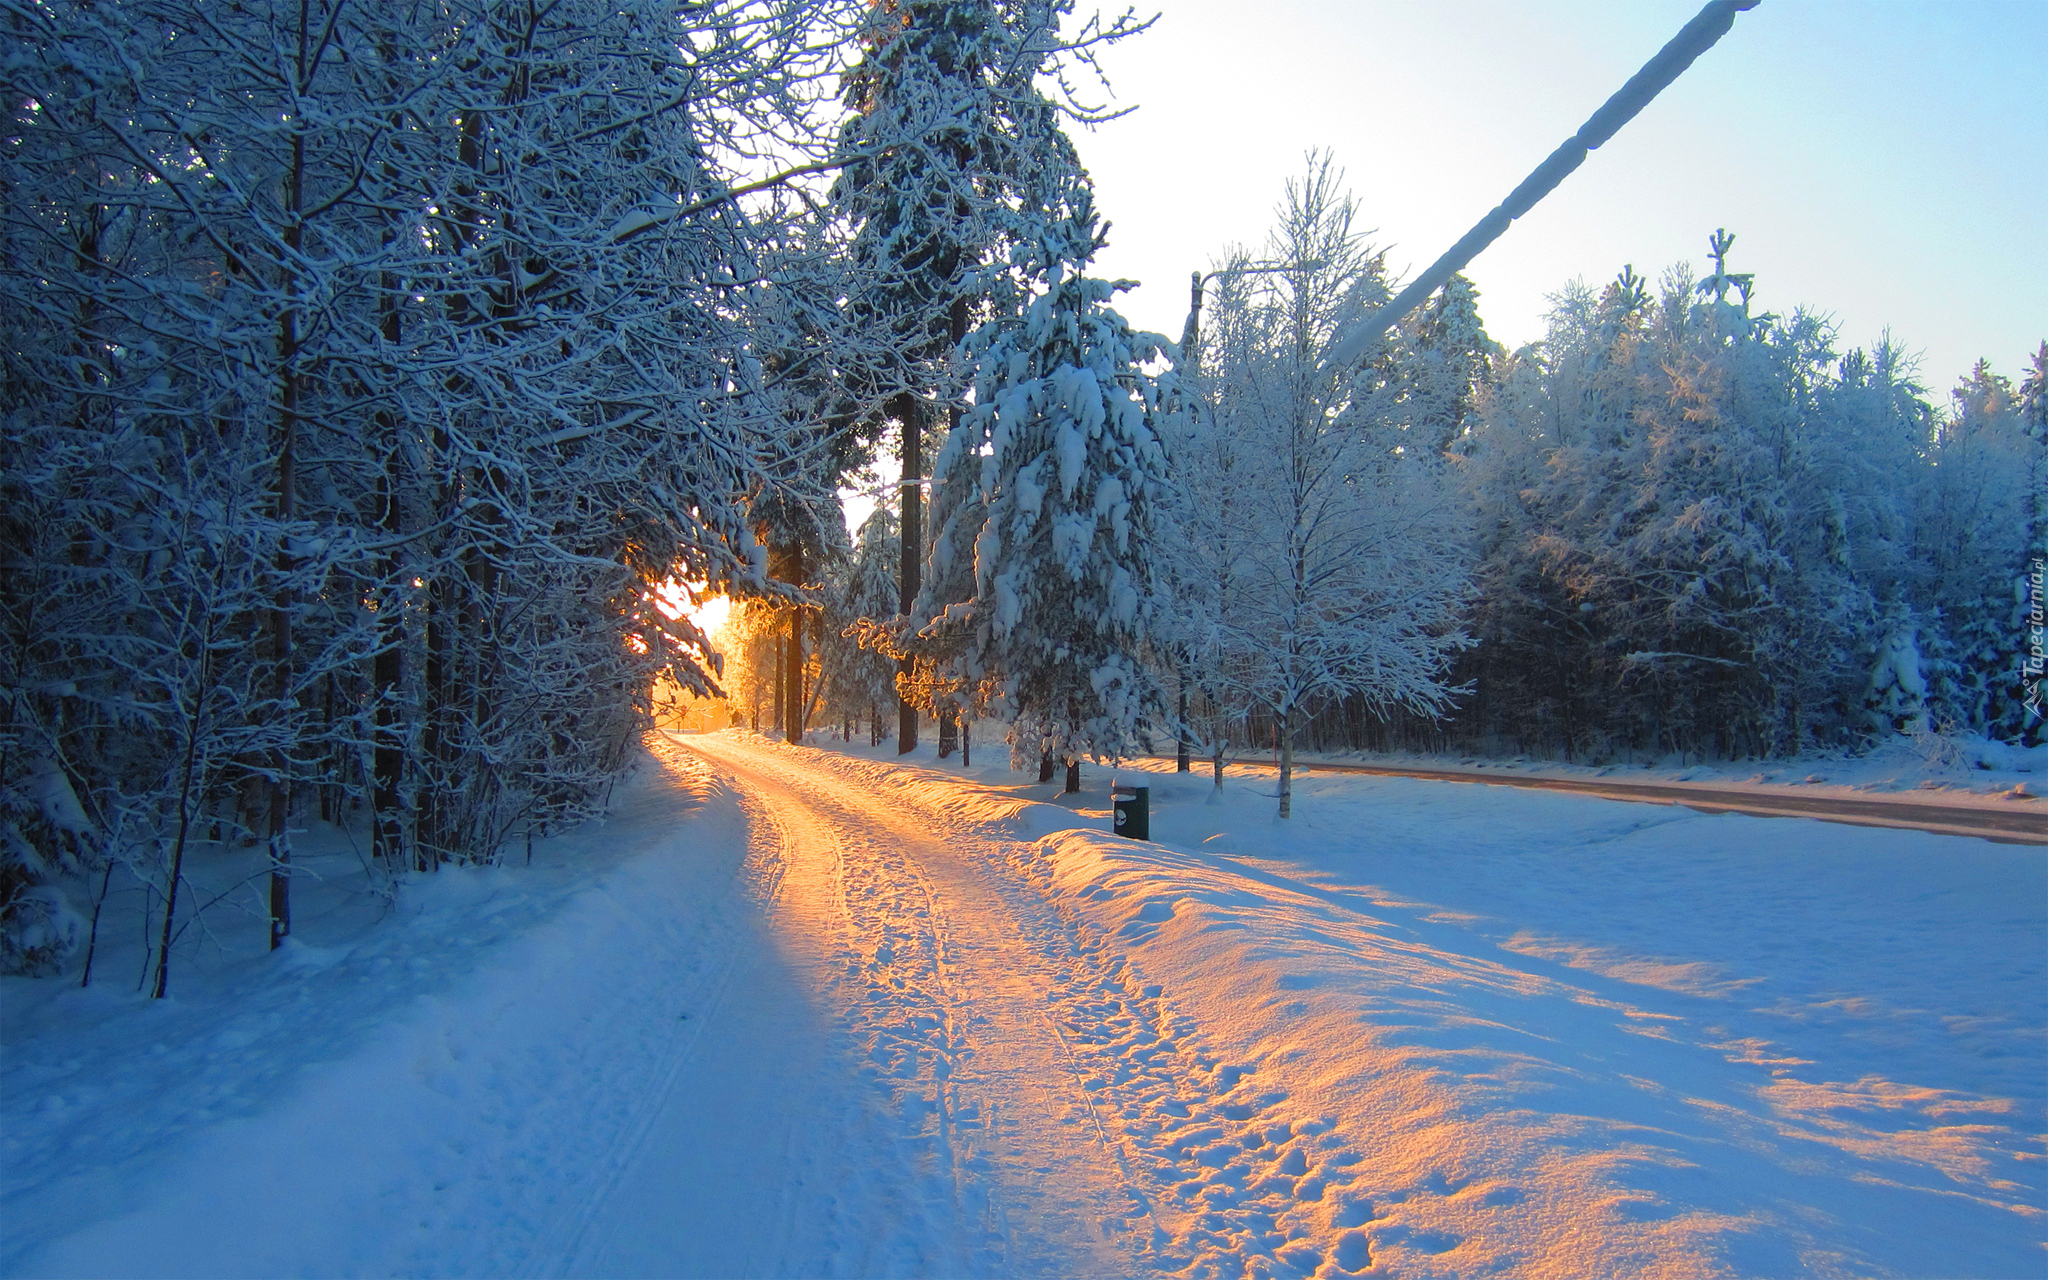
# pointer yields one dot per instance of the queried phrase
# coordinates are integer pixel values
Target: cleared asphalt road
(2011, 822)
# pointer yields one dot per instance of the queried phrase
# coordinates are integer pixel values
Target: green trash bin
(1133, 816)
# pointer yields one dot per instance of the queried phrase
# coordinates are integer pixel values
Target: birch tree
(1349, 579)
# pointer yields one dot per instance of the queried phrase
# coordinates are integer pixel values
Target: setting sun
(708, 613)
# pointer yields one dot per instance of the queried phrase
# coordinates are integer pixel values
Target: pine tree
(1056, 472)
(1977, 518)
(942, 136)
(1446, 365)
(860, 679)
(953, 156)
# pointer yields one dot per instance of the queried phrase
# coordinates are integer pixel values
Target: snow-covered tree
(1321, 546)
(1053, 477)
(379, 347)
(860, 680)
(953, 156)
(1445, 364)
(1702, 530)
(1978, 543)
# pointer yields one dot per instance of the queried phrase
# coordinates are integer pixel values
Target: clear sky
(1885, 161)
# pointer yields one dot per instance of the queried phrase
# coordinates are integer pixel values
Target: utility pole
(1692, 40)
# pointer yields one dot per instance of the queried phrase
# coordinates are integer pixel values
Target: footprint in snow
(1431, 1242)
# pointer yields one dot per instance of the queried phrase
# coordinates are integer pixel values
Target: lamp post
(1191, 332)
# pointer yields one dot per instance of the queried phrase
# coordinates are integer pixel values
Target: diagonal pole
(1694, 39)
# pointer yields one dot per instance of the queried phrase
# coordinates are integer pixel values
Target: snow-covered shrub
(1896, 701)
(39, 931)
(1941, 748)
(44, 836)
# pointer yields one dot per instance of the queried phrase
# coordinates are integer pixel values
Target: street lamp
(1191, 333)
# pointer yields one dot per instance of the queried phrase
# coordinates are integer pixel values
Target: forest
(383, 384)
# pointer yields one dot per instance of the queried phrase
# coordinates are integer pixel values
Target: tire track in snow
(755, 1161)
(1220, 1175)
(891, 984)
(949, 1037)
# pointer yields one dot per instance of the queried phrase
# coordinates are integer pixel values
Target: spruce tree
(1055, 474)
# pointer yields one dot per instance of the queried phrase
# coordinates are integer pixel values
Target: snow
(806, 1012)
(632, 222)
(1635, 1036)
(50, 790)
(431, 1092)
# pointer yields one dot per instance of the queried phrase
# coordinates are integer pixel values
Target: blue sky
(1883, 161)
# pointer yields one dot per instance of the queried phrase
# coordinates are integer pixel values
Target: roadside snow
(1953, 769)
(437, 1092)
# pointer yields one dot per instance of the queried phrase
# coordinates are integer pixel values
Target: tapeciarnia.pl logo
(2037, 642)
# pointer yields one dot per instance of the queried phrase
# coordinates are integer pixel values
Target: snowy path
(792, 1012)
(890, 1093)
(1067, 1120)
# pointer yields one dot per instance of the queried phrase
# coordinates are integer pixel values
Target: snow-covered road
(796, 1012)
(891, 1094)
(1966, 815)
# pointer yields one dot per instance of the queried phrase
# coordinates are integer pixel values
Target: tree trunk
(1045, 766)
(1073, 777)
(193, 724)
(793, 659)
(387, 669)
(287, 484)
(430, 816)
(812, 702)
(779, 668)
(966, 745)
(1284, 730)
(387, 674)
(949, 732)
(910, 414)
(1181, 764)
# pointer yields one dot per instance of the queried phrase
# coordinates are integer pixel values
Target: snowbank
(1553, 1035)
